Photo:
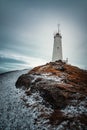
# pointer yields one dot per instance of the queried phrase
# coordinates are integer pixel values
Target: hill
(63, 88)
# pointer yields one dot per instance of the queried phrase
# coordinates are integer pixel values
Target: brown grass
(74, 76)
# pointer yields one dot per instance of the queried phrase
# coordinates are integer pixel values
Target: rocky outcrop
(24, 81)
(61, 85)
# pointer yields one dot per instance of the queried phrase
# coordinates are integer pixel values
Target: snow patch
(47, 76)
(76, 107)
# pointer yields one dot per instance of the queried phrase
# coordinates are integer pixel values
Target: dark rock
(61, 68)
(56, 99)
(24, 81)
(57, 117)
(38, 79)
(83, 119)
(59, 61)
(28, 92)
(52, 94)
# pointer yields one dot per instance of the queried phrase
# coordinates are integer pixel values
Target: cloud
(31, 61)
(27, 29)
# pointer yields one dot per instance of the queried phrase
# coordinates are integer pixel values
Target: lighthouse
(57, 47)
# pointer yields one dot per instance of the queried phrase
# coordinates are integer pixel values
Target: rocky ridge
(63, 89)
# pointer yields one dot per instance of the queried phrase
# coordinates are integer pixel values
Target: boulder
(52, 93)
(24, 81)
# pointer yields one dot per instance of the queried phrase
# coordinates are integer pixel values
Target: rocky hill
(63, 88)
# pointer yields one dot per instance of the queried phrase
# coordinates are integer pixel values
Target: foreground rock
(64, 88)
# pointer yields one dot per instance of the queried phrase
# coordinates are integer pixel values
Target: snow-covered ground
(18, 111)
(21, 112)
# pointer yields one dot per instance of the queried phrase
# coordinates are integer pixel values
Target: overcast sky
(27, 29)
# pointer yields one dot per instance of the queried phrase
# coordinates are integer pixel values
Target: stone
(24, 81)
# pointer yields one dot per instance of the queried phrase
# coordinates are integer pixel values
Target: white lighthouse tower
(57, 48)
